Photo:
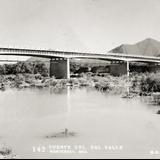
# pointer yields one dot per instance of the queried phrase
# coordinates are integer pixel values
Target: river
(105, 126)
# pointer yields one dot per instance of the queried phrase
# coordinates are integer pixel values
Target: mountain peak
(149, 40)
(147, 47)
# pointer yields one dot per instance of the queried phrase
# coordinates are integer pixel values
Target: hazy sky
(78, 25)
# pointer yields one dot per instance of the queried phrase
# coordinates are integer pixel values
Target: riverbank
(136, 84)
(108, 84)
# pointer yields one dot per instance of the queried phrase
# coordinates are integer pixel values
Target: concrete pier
(128, 69)
(119, 69)
(60, 68)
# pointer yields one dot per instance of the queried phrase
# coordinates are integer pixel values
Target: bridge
(60, 60)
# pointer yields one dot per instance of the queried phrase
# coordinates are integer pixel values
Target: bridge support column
(128, 69)
(68, 69)
(60, 68)
(119, 69)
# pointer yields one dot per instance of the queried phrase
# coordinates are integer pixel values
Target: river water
(104, 126)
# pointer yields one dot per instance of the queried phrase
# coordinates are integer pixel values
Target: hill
(147, 47)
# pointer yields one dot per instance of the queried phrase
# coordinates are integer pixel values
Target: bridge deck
(63, 54)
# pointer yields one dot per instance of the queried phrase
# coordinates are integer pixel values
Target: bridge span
(60, 60)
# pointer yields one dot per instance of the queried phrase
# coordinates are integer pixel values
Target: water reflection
(152, 102)
(66, 133)
(27, 116)
(68, 109)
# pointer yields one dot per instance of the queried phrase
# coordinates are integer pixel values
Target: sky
(78, 25)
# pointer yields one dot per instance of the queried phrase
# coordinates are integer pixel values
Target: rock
(65, 134)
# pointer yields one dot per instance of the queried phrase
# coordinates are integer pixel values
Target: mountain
(147, 47)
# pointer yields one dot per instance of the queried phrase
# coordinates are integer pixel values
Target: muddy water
(104, 126)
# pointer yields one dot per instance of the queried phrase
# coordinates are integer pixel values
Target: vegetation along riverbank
(137, 84)
(36, 74)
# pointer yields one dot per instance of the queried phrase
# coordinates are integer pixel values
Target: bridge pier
(68, 68)
(128, 69)
(60, 68)
(119, 69)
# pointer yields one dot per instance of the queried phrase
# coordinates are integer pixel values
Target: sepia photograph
(79, 79)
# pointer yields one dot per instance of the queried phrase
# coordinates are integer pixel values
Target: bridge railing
(19, 51)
